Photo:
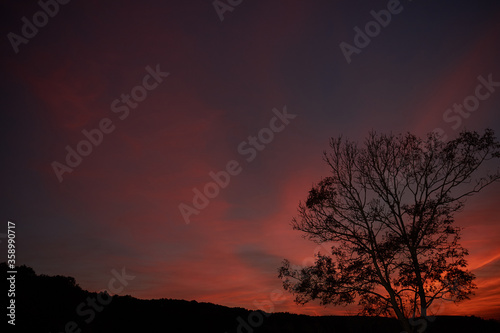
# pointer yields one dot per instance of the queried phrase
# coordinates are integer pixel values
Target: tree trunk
(406, 325)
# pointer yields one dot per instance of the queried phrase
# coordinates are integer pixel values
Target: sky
(114, 117)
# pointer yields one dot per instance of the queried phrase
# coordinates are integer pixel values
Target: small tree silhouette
(388, 211)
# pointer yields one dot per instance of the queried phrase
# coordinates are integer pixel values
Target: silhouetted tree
(387, 209)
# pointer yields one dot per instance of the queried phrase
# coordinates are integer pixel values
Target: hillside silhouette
(57, 304)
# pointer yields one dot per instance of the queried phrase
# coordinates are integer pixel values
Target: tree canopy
(387, 209)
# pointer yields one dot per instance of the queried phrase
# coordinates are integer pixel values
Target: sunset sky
(271, 67)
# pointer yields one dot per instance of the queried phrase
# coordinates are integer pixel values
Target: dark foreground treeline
(57, 304)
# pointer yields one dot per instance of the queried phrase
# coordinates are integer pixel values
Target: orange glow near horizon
(120, 206)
